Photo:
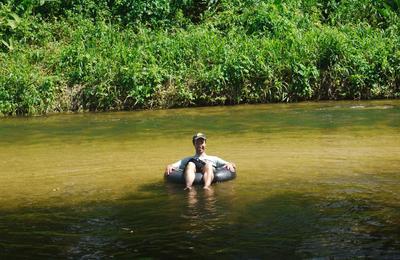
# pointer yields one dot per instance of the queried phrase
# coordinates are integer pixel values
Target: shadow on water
(160, 220)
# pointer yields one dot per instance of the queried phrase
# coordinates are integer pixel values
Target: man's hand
(230, 166)
(169, 169)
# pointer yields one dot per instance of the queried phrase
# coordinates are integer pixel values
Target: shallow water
(314, 180)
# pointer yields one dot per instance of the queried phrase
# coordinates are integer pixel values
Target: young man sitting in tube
(200, 162)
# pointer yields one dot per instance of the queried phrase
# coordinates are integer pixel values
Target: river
(315, 179)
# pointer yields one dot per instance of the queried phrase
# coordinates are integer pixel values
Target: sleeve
(219, 162)
(181, 163)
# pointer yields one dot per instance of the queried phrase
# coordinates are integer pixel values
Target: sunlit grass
(150, 54)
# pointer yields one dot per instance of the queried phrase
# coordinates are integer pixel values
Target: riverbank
(99, 56)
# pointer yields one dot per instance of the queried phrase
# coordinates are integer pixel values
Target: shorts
(199, 164)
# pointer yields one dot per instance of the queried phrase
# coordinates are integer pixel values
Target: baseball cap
(198, 136)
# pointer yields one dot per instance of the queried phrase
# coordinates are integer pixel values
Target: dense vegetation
(62, 55)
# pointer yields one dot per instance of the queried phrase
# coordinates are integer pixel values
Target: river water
(314, 180)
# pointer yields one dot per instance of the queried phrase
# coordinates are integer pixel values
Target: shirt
(214, 160)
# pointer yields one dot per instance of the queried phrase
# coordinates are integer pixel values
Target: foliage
(25, 88)
(119, 54)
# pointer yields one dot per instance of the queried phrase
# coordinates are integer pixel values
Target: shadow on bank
(160, 220)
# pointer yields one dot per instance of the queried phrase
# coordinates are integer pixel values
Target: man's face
(200, 145)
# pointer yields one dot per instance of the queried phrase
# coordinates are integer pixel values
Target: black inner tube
(220, 174)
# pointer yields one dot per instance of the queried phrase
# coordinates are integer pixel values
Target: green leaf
(8, 45)
(12, 24)
(17, 19)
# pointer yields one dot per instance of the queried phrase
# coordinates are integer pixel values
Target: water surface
(314, 180)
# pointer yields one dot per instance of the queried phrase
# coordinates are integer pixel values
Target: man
(200, 162)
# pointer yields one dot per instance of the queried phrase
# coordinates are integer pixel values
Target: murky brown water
(314, 180)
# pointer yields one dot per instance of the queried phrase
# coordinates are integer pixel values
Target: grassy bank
(114, 55)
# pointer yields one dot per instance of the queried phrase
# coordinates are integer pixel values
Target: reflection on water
(201, 211)
(314, 180)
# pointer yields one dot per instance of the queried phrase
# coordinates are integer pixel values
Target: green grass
(94, 55)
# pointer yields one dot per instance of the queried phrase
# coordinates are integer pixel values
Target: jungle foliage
(74, 55)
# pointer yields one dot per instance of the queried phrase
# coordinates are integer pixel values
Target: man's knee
(208, 167)
(190, 166)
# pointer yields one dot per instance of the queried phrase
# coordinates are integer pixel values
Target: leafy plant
(111, 55)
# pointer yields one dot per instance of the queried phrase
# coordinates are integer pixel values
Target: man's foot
(188, 188)
(207, 188)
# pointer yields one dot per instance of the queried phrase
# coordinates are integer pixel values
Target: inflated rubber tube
(220, 174)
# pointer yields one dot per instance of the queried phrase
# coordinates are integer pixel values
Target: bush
(112, 55)
(25, 89)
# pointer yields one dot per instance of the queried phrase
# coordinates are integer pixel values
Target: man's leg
(208, 175)
(190, 171)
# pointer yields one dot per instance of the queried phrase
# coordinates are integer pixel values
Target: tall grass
(104, 55)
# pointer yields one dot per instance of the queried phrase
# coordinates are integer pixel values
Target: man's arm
(169, 169)
(176, 165)
(228, 165)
